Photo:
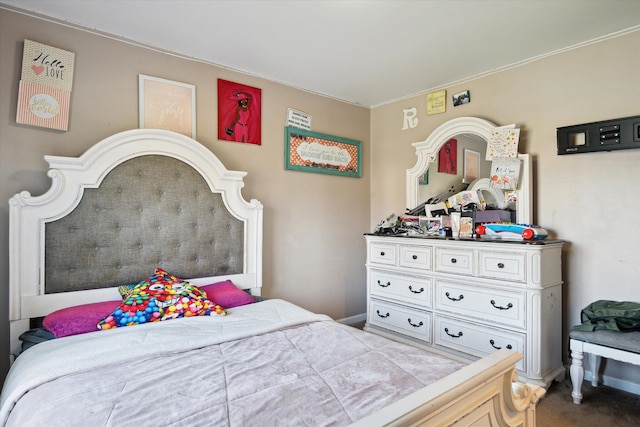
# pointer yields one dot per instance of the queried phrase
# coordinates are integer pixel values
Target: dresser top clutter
(467, 165)
(463, 271)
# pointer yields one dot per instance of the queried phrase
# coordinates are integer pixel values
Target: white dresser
(470, 298)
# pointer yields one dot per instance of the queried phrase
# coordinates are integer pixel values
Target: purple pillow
(227, 294)
(78, 319)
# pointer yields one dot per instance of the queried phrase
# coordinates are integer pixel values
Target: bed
(152, 219)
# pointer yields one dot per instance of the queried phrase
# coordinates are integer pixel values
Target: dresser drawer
(415, 257)
(381, 253)
(454, 261)
(414, 290)
(404, 320)
(487, 304)
(503, 265)
(477, 340)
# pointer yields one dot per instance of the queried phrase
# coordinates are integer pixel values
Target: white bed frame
(70, 176)
(484, 393)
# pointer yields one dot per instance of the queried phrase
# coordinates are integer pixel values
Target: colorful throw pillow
(227, 294)
(125, 290)
(159, 297)
(158, 276)
(78, 319)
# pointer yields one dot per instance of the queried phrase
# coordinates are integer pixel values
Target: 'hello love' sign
(45, 86)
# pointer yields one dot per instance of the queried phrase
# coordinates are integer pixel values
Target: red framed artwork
(448, 157)
(239, 112)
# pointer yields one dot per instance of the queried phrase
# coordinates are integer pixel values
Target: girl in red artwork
(239, 126)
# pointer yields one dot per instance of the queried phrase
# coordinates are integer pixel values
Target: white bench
(622, 346)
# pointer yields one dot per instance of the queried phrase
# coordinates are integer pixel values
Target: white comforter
(270, 363)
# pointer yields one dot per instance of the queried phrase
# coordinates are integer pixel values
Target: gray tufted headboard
(150, 211)
(133, 202)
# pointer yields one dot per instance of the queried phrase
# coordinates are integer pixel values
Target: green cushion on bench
(628, 341)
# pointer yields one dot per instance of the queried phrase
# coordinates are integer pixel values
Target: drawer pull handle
(446, 330)
(500, 265)
(455, 299)
(384, 316)
(453, 260)
(383, 284)
(414, 256)
(493, 303)
(381, 253)
(416, 292)
(415, 325)
(493, 344)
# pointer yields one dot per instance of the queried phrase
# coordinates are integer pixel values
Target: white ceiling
(364, 52)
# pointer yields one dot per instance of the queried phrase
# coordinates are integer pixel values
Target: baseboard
(617, 383)
(613, 382)
(358, 318)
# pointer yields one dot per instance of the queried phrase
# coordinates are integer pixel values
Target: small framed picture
(461, 98)
(167, 104)
(437, 102)
(424, 178)
(471, 165)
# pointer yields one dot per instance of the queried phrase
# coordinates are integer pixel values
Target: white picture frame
(167, 104)
(471, 165)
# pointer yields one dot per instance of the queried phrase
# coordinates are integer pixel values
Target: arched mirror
(471, 135)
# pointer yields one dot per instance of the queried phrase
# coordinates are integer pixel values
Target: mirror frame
(427, 151)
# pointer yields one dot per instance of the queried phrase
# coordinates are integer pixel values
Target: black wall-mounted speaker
(607, 135)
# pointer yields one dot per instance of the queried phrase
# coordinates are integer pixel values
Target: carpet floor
(601, 406)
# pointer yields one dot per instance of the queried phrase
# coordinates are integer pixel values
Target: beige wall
(589, 200)
(313, 247)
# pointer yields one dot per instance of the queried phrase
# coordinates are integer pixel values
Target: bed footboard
(484, 393)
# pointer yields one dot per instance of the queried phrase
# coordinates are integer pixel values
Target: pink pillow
(227, 294)
(78, 319)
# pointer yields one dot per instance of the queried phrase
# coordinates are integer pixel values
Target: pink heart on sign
(37, 69)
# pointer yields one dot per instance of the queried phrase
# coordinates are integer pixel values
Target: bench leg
(594, 361)
(576, 371)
